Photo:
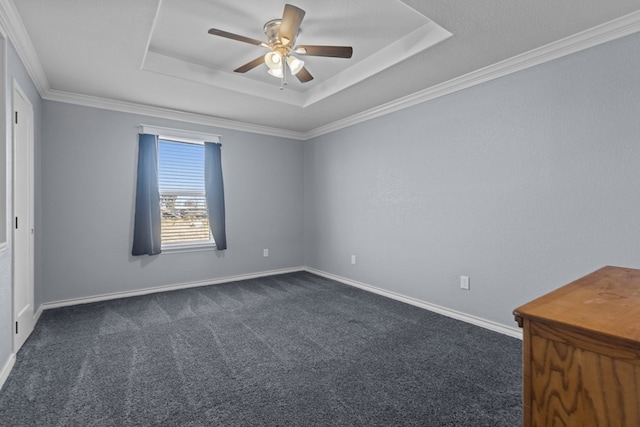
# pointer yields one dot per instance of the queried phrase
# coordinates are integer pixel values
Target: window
(179, 203)
(183, 207)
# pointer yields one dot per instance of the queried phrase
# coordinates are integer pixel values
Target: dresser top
(606, 302)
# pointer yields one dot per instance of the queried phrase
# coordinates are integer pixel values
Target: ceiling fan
(281, 36)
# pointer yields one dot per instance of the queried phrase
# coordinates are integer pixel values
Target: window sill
(188, 247)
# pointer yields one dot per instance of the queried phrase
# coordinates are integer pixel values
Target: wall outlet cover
(464, 282)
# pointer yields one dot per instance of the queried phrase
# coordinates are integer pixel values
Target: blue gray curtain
(146, 226)
(214, 193)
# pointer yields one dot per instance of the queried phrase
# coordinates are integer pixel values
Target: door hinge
(16, 117)
(16, 327)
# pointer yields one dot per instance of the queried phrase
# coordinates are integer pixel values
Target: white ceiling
(156, 55)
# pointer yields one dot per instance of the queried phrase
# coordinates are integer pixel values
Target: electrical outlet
(265, 252)
(464, 282)
(353, 259)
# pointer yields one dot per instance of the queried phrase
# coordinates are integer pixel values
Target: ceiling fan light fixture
(295, 65)
(281, 35)
(273, 60)
(276, 72)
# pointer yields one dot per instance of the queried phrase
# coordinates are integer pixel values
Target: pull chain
(283, 80)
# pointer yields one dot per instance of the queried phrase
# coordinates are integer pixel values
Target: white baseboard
(36, 315)
(478, 321)
(6, 369)
(484, 323)
(154, 290)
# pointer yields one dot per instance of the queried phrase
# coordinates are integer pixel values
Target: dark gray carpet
(288, 350)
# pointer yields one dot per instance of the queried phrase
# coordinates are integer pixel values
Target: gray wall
(16, 70)
(88, 171)
(523, 183)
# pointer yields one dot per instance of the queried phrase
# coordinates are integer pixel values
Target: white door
(22, 217)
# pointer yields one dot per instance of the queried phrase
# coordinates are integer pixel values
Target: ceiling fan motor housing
(272, 31)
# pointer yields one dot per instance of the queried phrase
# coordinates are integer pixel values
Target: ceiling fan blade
(332, 51)
(304, 75)
(250, 65)
(228, 35)
(291, 19)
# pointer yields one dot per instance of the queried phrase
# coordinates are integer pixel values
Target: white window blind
(182, 196)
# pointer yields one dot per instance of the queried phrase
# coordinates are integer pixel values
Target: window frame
(187, 137)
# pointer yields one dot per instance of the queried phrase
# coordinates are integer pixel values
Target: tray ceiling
(157, 54)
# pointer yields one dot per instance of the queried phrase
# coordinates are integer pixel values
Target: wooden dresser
(581, 352)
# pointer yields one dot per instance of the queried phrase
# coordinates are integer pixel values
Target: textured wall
(523, 183)
(88, 169)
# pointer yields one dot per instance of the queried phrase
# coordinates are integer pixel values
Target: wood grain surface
(581, 355)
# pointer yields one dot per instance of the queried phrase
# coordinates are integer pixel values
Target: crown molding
(592, 37)
(166, 113)
(12, 23)
(10, 20)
